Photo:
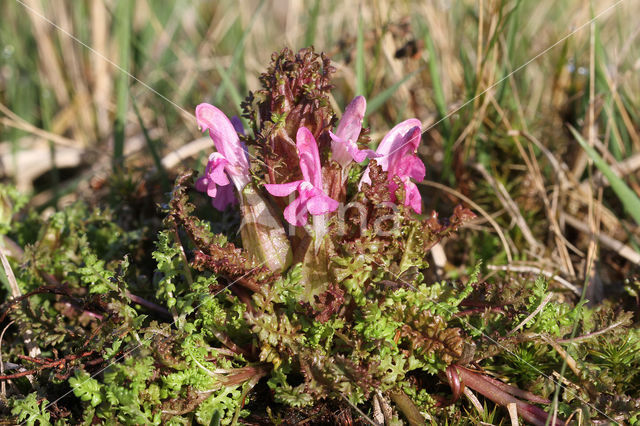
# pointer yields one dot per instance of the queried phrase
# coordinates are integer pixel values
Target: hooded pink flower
(397, 158)
(311, 197)
(344, 144)
(230, 164)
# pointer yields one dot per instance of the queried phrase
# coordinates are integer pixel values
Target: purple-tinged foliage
(294, 94)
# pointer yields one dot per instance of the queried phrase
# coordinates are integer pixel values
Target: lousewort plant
(335, 308)
(317, 308)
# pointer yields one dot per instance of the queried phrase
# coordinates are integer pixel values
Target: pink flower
(344, 142)
(312, 198)
(216, 184)
(230, 164)
(397, 157)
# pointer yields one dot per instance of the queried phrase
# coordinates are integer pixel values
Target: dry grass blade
(32, 348)
(14, 120)
(536, 270)
(622, 249)
(539, 181)
(480, 210)
(532, 315)
(3, 385)
(510, 206)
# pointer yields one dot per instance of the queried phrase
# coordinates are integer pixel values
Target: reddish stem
(47, 364)
(478, 311)
(149, 305)
(502, 395)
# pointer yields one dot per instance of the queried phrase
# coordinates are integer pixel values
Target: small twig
(149, 305)
(591, 335)
(480, 210)
(32, 348)
(57, 363)
(3, 385)
(474, 400)
(480, 310)
(607, 241)
(359, 411)
(513, 413)
(9, 304)
(40, 361)
(620, 169)
(18, 122)
(185, 151)
(571, 363)
(536, 270)
(509, 205)
(544, 302)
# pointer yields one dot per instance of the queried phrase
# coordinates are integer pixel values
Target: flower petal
(351, 122)
(223, 134)
(339, 152)
(408, 166)
(416, 169)
(216, 169)
(282, 189)
(321, 204)
(412, 196)
(365, 178)
(401, 139)
(413, 137)
(224, 198)
(296, 213)
(344, 151)
(237, 124)
(359, 155)
(202, 183)
(309, 157)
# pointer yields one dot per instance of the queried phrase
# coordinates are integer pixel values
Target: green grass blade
(360, 70)
(436, 81)
(441, 104)
(629, 199)
(238, 56)
(47, 107)
(234, 94)
(151, 144)
(383, 96)
(123, 15)
(312, 24)
(513, 27)
(616, 142)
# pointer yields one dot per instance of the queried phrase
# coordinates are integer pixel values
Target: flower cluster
(303, 159)
(230, 163)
